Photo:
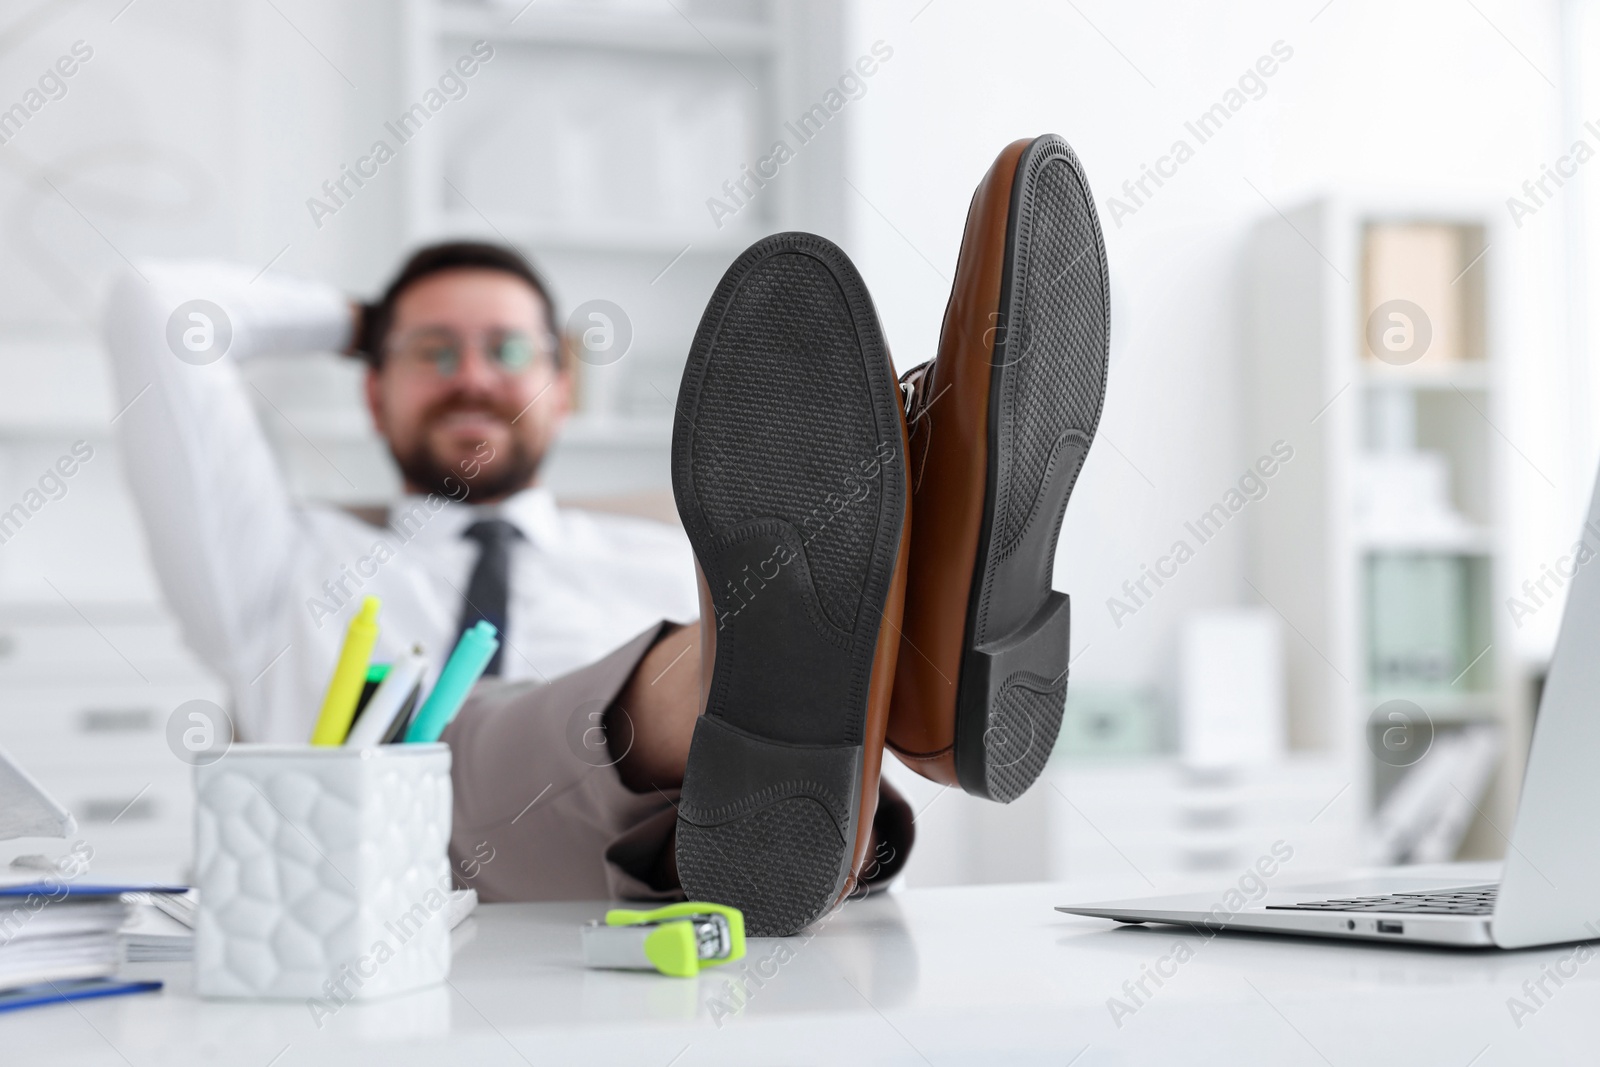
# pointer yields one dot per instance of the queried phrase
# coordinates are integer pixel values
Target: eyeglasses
(437, 351)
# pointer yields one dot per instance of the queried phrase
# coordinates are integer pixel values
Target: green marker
(462, 671)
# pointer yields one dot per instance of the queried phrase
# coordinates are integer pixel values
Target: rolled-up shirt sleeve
(223, 531)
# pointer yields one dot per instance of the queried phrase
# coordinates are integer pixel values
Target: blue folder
(82, 989)
(80, 889)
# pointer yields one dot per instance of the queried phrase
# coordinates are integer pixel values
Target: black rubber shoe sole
(1046, 391)
(789, 471)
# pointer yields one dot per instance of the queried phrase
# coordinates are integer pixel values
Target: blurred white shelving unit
(592, 141)
(1326, 549)
(91, 663)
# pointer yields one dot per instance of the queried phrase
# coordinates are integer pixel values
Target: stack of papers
(58, 940)
(150, 935)
(180, 906)
(50, 940)
(160, 926)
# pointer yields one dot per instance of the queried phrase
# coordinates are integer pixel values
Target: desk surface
(971, 975)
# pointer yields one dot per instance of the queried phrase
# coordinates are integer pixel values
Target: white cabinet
(91, 667)
(96, 737)
(1161, 819)
(1140, 816)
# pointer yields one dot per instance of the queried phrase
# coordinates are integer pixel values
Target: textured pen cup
(323, 872)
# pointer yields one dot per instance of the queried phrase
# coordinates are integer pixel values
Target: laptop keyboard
(1469, 900)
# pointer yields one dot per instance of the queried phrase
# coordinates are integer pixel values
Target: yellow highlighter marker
(344, 689)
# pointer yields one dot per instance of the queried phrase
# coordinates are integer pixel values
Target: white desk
(939, 976)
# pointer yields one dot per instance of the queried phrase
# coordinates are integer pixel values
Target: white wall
(194, 129)
(1425, 96)
(202, 128)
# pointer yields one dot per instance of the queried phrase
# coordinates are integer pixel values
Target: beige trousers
(541, 814)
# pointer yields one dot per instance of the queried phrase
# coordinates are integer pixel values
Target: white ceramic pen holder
(323, 872)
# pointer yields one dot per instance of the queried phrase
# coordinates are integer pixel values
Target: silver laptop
(1549, 888)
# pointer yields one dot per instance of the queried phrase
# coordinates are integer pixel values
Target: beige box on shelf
(1410, 266)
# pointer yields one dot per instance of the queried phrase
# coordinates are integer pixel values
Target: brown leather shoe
(1000, 423)
(788, 465)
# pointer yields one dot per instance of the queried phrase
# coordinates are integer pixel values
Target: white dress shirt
(264, 585)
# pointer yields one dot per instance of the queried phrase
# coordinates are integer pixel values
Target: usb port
(1386, 927)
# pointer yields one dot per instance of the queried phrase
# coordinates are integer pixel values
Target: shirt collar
(532, 511)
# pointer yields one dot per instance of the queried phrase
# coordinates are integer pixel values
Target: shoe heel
(1012, 695)
(767, 827)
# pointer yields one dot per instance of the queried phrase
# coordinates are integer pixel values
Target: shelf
(46, 430)
(616, 431)
(330, 425)
(719, 68)
(26, 612)
(1467, 542)
(1465, 374)
(642, 31)
(666, 241)
(1445, 706)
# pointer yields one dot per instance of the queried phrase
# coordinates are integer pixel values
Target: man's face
(470, 393)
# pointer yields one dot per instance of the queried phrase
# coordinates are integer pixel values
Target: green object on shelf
(1418, 609)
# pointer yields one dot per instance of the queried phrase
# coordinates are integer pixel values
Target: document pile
(160, 927)
(59, 935)
(50, 929)
(49, 932)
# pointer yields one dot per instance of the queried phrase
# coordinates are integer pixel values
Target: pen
(344, 688)
(472, 654)
(388, 700)
(396, 734)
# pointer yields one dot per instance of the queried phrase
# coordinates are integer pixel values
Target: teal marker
(462, 671)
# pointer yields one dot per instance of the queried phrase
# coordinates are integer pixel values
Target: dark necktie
(489, 588)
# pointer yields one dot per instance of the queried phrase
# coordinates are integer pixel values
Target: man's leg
(538, 799)
(649, 727)
(568, 790)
